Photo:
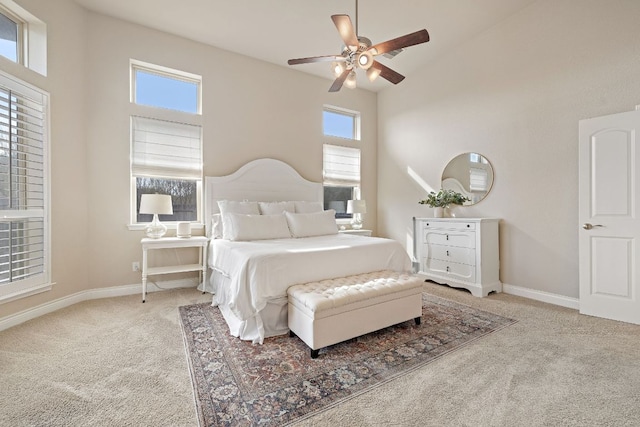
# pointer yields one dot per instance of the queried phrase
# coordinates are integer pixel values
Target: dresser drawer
(448, 225)
(450, 238)
(455, 254)
(452, 270)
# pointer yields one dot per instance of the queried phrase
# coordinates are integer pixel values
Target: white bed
(249, 279)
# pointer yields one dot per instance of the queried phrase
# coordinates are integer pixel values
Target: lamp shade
(156, 204)
(356, 206)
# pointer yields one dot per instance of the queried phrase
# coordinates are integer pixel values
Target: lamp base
(356, 222)
(156, 229)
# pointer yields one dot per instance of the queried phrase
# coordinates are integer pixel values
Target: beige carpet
(117, 362)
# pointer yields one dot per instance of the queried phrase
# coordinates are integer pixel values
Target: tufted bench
(334, 310)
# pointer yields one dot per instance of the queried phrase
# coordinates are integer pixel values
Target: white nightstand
(173, 243)
(360, 232)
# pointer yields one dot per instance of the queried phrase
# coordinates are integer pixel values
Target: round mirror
(470, 174)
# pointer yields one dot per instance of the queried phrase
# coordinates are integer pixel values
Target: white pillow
(232, 206)
(273, 208)
(258, 227)
(216, 226)
(308, 207)
(247, 208)
(312, 224)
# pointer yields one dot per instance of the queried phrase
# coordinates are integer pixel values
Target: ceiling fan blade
(337, 83)
(345, 28)
(407, 40)
(325, 58)
(387, 73)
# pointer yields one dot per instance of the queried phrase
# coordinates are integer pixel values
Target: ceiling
(278, 30)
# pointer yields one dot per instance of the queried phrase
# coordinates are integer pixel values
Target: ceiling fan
(358, 52)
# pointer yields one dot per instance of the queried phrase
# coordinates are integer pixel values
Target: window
(166, 144)
(341, 177)
(164, 88)
(10, 39)
(23, 37)
(166, 158)
(341, 123)
(24, 227)
(341, 165)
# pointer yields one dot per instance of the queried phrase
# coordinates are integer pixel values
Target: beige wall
(515, 94)
(251, 109)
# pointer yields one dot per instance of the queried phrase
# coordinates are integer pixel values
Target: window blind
(341, 165)
(165, 149)
(478, 179)
(23, 230)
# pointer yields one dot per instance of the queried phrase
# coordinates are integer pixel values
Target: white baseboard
(550, 298)
(118, 291)
(115, 291)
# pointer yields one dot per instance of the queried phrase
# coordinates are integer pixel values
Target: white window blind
(341, 165)
(165, 149)
(478, 179)
(23, 189)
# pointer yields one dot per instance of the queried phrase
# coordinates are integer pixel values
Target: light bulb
(350, 82)
(365, 60)
(373, 73)
(337, 68)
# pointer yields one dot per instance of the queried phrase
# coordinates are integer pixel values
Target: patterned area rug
(239, 383)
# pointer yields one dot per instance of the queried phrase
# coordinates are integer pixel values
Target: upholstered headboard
(262, 180)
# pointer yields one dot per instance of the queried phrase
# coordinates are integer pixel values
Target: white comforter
(263, 269)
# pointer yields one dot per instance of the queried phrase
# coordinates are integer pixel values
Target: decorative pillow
(312, 224)
(273, 208)
(308, 207)
(216, 226)
(258, 227)
(232, 206)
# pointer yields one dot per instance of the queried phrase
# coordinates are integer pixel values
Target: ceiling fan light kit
(350, 82)
(358, 52)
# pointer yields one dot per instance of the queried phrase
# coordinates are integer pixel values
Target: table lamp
(156, 204)
(357, 208)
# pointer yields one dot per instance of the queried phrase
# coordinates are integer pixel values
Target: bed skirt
(269, 322)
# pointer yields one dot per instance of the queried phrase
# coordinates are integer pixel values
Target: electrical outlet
(135, 266)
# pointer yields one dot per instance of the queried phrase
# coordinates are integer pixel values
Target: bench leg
(417, 319)
(314, 354)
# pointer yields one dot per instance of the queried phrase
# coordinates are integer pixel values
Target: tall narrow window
(340, 165)
(24, 228)
(166, 145)
(341, 177)
(166, 158)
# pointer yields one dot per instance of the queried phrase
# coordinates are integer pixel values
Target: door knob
(588, 226)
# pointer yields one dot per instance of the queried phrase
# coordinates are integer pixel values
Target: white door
(609, 233)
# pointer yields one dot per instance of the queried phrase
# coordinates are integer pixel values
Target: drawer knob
(447, 237)
(447, 253)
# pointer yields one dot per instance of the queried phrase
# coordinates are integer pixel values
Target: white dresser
(461, 252)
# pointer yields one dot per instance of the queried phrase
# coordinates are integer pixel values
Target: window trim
(32, 49)
(21, 31)
(356, 185)
(355, 115)
(159, 70)
(133, 222)
(23, 288)
(167, 115)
